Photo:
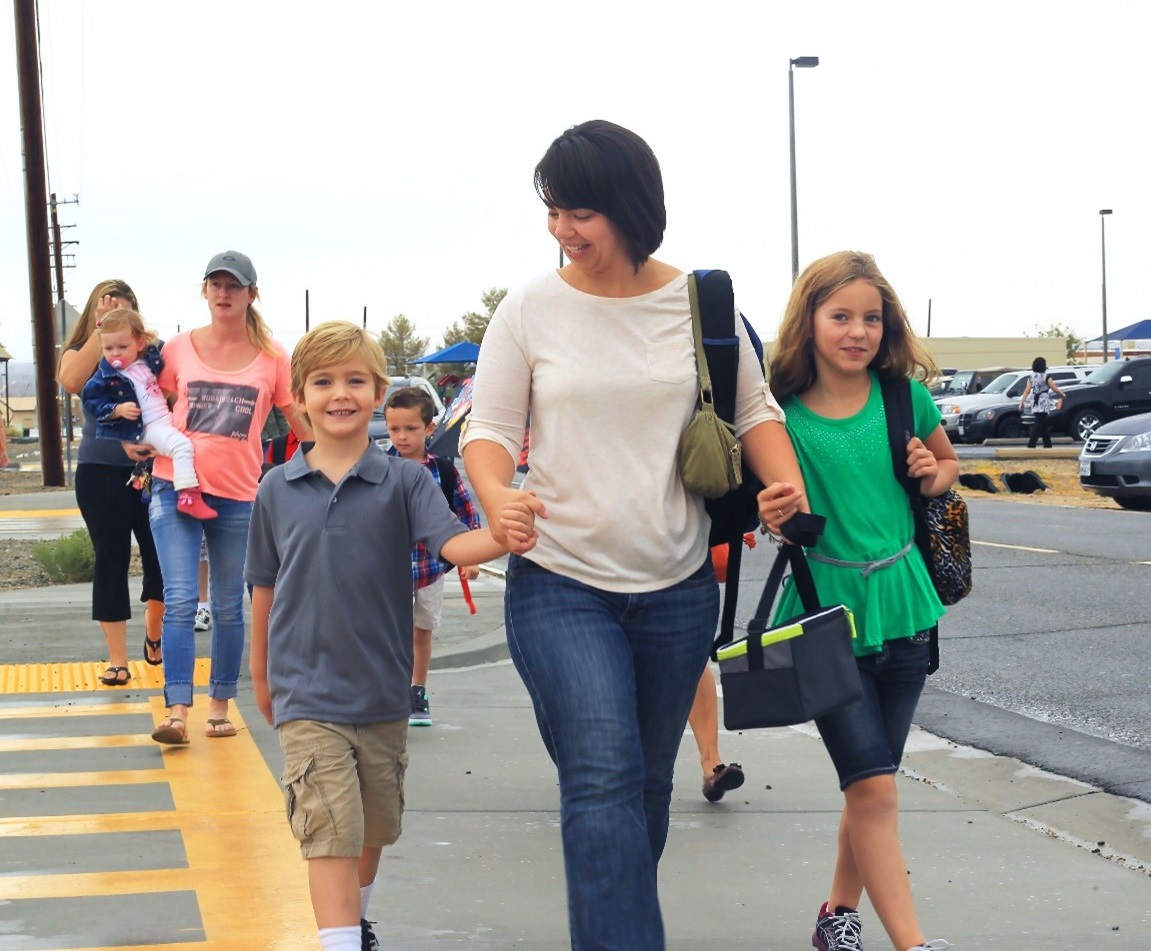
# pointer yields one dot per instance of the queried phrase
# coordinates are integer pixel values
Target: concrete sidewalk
(1001, 856)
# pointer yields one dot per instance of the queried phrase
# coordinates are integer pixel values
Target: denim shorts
(867, 738)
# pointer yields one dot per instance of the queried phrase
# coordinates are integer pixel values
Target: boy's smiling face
(339, 400)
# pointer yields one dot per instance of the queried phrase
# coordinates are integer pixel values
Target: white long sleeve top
(609, 385)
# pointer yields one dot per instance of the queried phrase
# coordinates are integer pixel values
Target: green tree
(401, 345)
(1074, 341)
(472, 326)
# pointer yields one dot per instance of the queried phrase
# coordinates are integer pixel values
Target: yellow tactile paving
(85, 675)
(243, 865)
(37, 513)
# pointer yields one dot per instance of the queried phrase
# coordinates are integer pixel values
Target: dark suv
(1114, 390)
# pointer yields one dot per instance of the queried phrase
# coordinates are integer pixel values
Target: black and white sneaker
(368, 939)
(838, 930)
(421, 714)
(203, 620)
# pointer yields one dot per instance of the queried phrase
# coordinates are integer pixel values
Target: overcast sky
(380, 154)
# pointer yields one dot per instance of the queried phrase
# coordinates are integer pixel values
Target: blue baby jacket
(106, 389)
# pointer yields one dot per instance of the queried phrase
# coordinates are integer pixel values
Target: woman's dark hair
(608, 169)
(1039, 365)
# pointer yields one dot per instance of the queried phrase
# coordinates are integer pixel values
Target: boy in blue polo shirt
(329, 559)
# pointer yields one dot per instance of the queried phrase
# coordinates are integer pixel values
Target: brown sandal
(167, 732)
(218, 729)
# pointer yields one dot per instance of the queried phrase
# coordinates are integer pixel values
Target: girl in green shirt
(844, 331)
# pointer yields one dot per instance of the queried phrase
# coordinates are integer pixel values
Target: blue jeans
(867, 738)
(178, 545)
(612, 678)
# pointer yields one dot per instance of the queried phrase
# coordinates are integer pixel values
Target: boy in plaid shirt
(410, 415)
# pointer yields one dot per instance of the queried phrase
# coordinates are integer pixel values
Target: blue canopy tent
(463, 352)
(1136, 331)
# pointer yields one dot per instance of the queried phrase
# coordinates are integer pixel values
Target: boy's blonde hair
(333, 343)
(124, 318)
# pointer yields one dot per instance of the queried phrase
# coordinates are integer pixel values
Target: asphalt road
(1049, 658)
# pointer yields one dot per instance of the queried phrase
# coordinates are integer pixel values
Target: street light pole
(1103, 212)
(803, 62)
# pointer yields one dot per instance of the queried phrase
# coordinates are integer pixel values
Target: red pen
(467, 590)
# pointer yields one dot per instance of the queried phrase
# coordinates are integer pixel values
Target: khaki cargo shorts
(343, 784)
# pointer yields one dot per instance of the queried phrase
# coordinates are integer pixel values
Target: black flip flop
(151, 645)
(723, 779)
(114, 680)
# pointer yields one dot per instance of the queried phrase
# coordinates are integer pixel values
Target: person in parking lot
(1041, 392)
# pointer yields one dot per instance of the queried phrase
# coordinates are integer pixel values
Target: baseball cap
(234, 263)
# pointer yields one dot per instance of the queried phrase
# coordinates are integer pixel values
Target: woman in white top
(1044, 397)
(610, 619)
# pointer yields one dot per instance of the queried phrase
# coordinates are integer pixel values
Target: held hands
(777, 503)
(126, 411)
(515, 526)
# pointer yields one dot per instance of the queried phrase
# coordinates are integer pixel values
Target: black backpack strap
(447, 473)
(720, 344)
(900, 428)
(721, 350)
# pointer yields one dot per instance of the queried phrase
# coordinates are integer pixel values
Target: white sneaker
(203, 619)
(937, 945)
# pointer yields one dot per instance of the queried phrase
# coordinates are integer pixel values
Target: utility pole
(58, 259)
(58, 255)
(39, 273)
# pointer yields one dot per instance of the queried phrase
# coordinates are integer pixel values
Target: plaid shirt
(425, 568)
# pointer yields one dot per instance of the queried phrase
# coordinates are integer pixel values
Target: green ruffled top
(848, 473)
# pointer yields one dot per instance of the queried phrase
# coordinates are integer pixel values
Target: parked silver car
(1116, 462)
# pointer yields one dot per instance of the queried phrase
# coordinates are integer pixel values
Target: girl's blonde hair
(333, 343)
(900, 356)
(124, 318)
(87, 322)
(258, 331)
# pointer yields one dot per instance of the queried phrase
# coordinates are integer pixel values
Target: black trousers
(1040, 430)
(113, 513)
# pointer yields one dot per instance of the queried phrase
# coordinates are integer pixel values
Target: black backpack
(736, 513)
(446, 469)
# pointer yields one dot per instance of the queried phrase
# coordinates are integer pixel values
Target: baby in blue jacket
(125, 399)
